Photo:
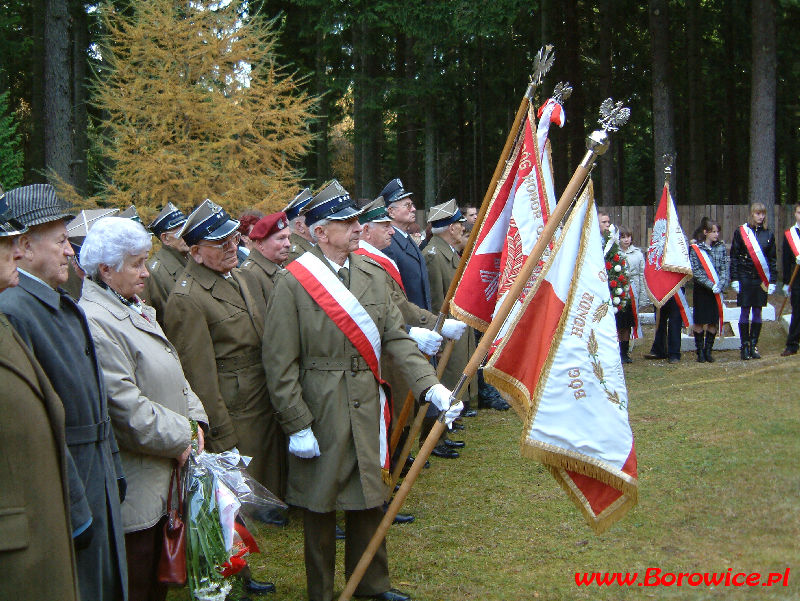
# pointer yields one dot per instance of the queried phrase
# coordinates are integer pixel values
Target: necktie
(235, 284)
(344, 275)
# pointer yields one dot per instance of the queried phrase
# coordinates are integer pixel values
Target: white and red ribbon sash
(366, 249)
(637, 326)
(755, 252)
(352, 319)
(711, 272)
(683, 306)
(793, 240)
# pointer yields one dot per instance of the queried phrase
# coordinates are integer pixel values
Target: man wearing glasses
(207, 320)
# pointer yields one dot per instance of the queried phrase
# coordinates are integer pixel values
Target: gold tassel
(386, 476)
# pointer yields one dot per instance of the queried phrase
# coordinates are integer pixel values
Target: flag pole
(612, 117)
(544, 61)
(786, 298)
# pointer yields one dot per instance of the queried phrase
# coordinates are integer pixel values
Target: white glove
(797, 259)
(735, 286)
(428, 341)
(304, 444)
(786, 290)
(716, 289)
(439, 395)
(771, 289)
(453, 329)
(452, 414)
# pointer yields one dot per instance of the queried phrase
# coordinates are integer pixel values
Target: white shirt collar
(336, 266)
(405, 234)
(33, 277)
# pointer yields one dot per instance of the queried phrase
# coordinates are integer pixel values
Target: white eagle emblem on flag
(655, 252)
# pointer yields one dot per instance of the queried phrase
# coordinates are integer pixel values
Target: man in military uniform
(334, 317)
(442, 259)
(168, 263)
(52, 325)
(300, 237)
(376, 235)
(207, 320)
(270, 248)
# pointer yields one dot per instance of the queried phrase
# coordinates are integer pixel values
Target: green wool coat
(209, 322)
(442, 262)
(309, 364)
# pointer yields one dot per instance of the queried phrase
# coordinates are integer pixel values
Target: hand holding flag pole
(613, 116)
(786, 298)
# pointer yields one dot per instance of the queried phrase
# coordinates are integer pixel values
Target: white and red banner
(550, 112)
(667, 266)
(366, 249)
(793, 240)
(515, 217)
(352, 319)
(560, 365)
(756, 254)
(711, 274)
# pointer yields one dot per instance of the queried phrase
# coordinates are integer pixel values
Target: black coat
(742, 266)
(789, 264)
(55, 329)
(413, 271)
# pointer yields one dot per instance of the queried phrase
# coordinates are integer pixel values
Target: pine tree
(11, 158)
(195, 106)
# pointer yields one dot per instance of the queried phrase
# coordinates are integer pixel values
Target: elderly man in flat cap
(208, 318)
(170, 260)
(38, 560)
(301, 237)
(334, 317)
(55, 329)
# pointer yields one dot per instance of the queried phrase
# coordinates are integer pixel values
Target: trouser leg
(143, 551)
(319, 534)
(360, 526)
(793, 338)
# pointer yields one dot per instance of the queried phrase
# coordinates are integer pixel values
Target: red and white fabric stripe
(683, 307)
(793, 240)
(366, 249)
(560, 364)
(550, 112)
(755, 252)
(711, 272)
(352, 319)
(637, 326)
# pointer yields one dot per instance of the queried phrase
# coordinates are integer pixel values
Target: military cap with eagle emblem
(444, 214)
(394, 191)
(80, 226)
(295, 208)
(374, 212)
(209, 221)
(168, 219)
(332, 202)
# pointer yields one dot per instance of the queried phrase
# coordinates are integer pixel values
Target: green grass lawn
(717, 447)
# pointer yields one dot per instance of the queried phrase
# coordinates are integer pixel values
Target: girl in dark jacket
(708, 256)
(753, 275)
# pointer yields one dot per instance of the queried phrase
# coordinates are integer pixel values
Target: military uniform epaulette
(431, 250)
(183, 286)
(247, 263)
(371, 261)
(153, 265)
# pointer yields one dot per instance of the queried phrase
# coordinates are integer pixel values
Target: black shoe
(454, 444)
(257, 588)
(674, 359)
(654, 356)
(469, 413)
(457, 426)
(391, 595)
(444, 452)
(755, 332)
(274, 517)
(403, 518)
(339, 533)
(788, 352)
(744, 336)
(487, 396)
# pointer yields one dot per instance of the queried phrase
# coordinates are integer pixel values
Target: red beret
(271, 224)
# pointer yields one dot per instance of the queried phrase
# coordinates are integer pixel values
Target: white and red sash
(637, 326)
(711, 272)
(352, 319)
(793, 240)
(683, 306)
(366, 249)
(756, 254)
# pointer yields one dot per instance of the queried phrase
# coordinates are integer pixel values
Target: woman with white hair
(153, 410)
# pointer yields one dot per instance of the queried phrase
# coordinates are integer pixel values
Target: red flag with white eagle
(667, 266)
(516, 215)
(559, 363)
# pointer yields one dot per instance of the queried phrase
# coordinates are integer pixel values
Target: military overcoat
(317, 378)
(442, 262)
(259, 272)
(36, 550)
(56, 330)
(149, 400)
(207, 320)
(165, 266)
(299, 246)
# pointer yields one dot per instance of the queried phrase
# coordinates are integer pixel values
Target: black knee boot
(744, 337)
(708, 346)
(624, 348)
(755, 331)
(699, 343)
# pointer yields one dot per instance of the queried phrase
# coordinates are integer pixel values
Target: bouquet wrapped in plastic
(218, 488)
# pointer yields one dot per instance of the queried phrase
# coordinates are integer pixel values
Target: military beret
(268, 225)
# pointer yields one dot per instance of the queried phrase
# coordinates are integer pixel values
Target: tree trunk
(407, 118)
(732, 139)
(58, 147)
(321, 143)
(80, 45)
(663, 120)
(575, 132)
(430, 155)
(609, 194)
(762, 107)
(34, 141)
(696, 93)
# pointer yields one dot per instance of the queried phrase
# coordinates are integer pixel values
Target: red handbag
(172, 565)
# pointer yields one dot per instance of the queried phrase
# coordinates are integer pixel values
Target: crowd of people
(292, 338)
(273, 335)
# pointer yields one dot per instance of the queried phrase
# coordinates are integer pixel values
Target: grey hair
(314, 226)
(439, 230)
(109, 241)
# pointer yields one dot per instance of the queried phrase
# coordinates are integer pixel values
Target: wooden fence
(640, 220)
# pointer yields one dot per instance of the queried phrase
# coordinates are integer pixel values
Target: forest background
(426, 90)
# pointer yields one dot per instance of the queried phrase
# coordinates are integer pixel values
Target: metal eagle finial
(613, 116)
(562, 92)
(541, 65)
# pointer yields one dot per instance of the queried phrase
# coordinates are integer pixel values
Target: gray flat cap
(37, 204)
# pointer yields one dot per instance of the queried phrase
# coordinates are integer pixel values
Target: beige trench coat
(317, 378)
(442, 262)
(150, 402)
(210, 324)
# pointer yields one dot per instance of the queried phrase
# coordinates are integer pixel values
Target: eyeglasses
(229, 241)
(406, 205)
